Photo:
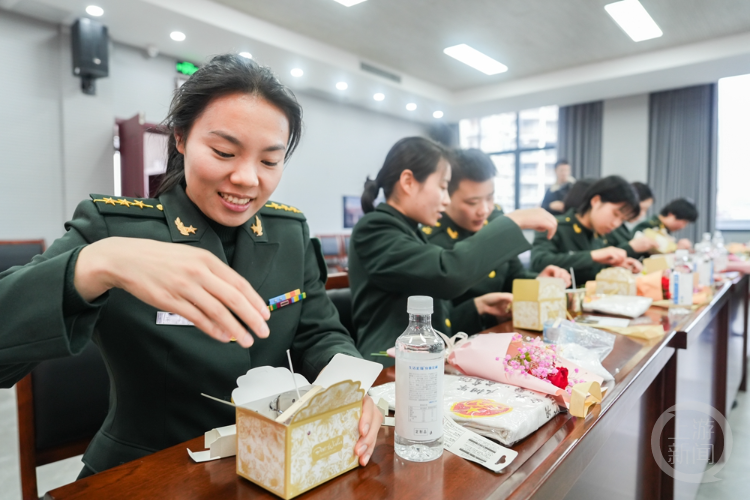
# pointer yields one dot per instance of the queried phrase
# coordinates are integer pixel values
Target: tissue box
(315, 442)
(615, 281)
(536, 301)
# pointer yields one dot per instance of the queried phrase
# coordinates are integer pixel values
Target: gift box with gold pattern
(536, 301)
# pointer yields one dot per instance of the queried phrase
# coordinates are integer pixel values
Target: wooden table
(567, 457)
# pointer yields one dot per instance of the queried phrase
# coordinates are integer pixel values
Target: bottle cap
(419, 304)
(681, 253)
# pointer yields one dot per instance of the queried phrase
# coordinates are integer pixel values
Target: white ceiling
(557, 51)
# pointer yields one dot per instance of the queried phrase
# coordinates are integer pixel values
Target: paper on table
(201, 456)
(471, 446)
(221, 443)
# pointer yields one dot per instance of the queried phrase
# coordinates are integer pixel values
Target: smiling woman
(211, 250)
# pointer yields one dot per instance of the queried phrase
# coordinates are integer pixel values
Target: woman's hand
(369, 425)
(556, 272)
(179, 279)
(634, 266)
(497, 304)
(684, 244)
(643, 244)
(537, 219)
(557, 205)
(611, 256)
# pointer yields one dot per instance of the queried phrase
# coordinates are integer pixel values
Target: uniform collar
(454, 231)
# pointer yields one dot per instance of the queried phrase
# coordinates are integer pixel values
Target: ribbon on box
(583, 397)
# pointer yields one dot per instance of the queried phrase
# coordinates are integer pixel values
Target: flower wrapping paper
(482, 356)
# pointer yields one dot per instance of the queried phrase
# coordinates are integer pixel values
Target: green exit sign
(186, 68)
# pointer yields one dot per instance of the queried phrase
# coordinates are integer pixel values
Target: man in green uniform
(472, 192)
(675, 216)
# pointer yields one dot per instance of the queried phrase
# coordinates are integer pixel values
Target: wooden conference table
(608, 454)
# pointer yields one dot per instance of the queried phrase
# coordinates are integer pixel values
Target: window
(732, 202)
(523, 147)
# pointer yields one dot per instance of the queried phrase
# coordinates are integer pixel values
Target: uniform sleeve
(516, 271)
(320, 334)
(464, 318)
(550, 252)
(44, 317)
(395, 260)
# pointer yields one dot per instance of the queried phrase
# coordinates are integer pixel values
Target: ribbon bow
(454, 342)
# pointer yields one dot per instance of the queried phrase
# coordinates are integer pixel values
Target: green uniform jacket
(446, 234)
(571, 246)
(390, 259)
(157, 372)
(620, 238)
(652, 223)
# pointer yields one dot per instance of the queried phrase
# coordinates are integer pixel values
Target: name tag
(167, 318)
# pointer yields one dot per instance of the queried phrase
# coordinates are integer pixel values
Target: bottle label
(682, 289)
(419, 398)
(705, 273)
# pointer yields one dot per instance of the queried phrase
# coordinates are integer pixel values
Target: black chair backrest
(342, 299)
(18, 254)
(71, 397)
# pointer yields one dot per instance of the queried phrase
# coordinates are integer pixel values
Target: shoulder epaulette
(564, 219)
(121, 205)
(280, 210)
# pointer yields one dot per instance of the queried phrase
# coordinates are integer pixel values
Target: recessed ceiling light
(379, 96)
(349, 3)
(177, 36)
(342, 85)
(437, 114)
(472, 57)
(94, 10)
(634, 20)
(411, 106)
(296, 72)
(246, 55)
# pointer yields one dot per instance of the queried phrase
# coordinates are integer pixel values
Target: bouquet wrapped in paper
(509, 359)
(615, 281)
(665, 242)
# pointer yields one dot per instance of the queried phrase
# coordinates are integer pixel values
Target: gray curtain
(682, 152)
(580, 138)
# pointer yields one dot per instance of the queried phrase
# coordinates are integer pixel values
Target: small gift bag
(536, 301)
(615, 281)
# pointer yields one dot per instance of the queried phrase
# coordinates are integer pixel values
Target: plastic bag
(621, 305)
(580, 344)
(498, 411)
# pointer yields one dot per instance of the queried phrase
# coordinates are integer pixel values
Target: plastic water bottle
(419, 386)
(721, 256)
(681, 284)
(704, 261)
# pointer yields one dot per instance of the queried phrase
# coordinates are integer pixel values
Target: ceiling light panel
(472, 57)
(634, 20)
(94, 10)
(349, 3)
(177, 36)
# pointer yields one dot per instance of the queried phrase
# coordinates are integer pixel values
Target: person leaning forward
(472, 193)
(391, 259)
(211, 250)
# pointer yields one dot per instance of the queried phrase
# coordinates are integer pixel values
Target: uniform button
(447, 322)
(493, 274)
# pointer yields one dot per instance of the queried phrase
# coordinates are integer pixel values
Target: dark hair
(417, 154)
(644, 192)
(577, 191)
(612, 189)
(471, 164)
(561, 161)
(682, 209)
(223, 75)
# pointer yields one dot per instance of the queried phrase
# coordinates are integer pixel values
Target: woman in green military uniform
(581, 240)
(210, 249)
(675, 216)
(391, 259)
(472, 193)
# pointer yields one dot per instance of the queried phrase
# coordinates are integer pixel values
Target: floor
(734, 480)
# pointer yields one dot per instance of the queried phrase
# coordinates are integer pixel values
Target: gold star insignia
(123, 201)
(493, 274)
(274, 205)
(257, 227)
(576, 228)
(427, 230)
(140, 204)
(453, 234)
(185, 231)
(109, 201)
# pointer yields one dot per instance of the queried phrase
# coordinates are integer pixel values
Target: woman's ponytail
(369, 195)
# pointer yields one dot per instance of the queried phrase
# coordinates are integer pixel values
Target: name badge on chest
(167, 318)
